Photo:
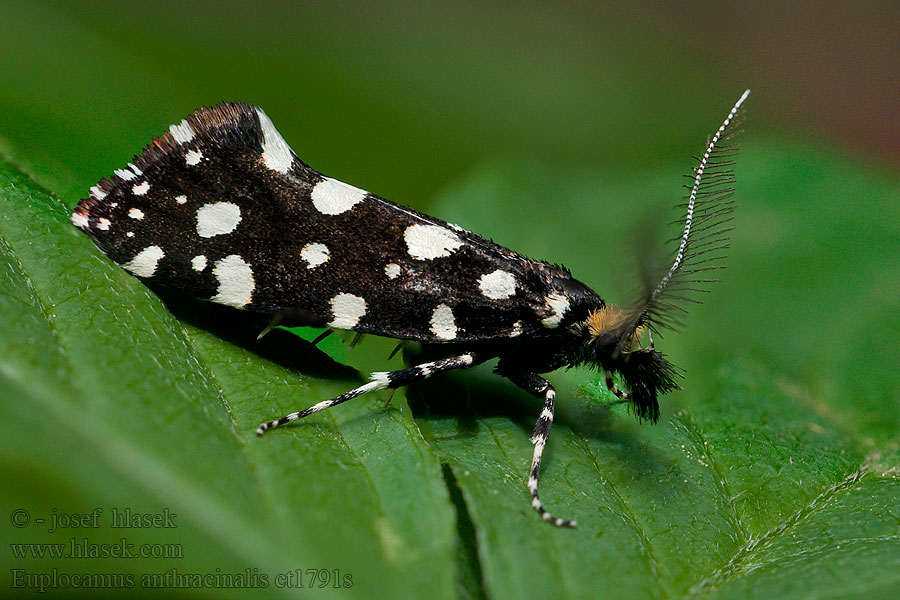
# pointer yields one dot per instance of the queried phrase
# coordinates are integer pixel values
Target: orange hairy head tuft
(613, 320)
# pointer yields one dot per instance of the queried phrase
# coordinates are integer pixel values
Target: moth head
(612, 339)
(610, 328)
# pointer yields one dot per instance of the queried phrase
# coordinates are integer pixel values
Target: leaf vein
(701, 447)
(738, 565)
(646, 545)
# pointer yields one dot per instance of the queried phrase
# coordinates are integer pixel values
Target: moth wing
(221, 207)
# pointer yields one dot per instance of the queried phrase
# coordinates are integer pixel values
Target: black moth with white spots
(220, 206)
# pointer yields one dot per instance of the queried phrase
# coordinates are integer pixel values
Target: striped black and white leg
(380, 381)
(540, 387)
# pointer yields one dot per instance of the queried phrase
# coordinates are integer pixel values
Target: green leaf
(766, 477)
(770, 476)
(109, 402)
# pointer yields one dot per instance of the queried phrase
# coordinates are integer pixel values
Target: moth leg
(276, 320)
(322, 336)
(356, 340)
(380, 381)
(611, 386)
(389, 398)
(540, 387)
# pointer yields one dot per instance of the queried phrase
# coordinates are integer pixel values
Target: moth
(219, 206)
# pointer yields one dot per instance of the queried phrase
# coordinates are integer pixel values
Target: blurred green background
(554, 129)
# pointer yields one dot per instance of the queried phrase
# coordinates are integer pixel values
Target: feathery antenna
(709, 209)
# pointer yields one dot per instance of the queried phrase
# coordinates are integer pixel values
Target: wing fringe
(227, 122)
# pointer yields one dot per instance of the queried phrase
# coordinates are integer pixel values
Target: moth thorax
(612, 321)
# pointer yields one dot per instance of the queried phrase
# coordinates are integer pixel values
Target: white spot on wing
(557, 304)
(181, 199)
(182, 132)
(392, 270)
(276, 153)
(80, 219)
(217, 218)
(97, 193)
(136, 213)
(347, 310)
(141, 188)
(236, 283)
(145, 262)
(124, 174)
(427, 242)
(193, 157)
(443, 325)
(314, 254)
(103, 224)
(129, 234)
(516, 330)
(332, 197)
(498, 285)
(198, 263)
